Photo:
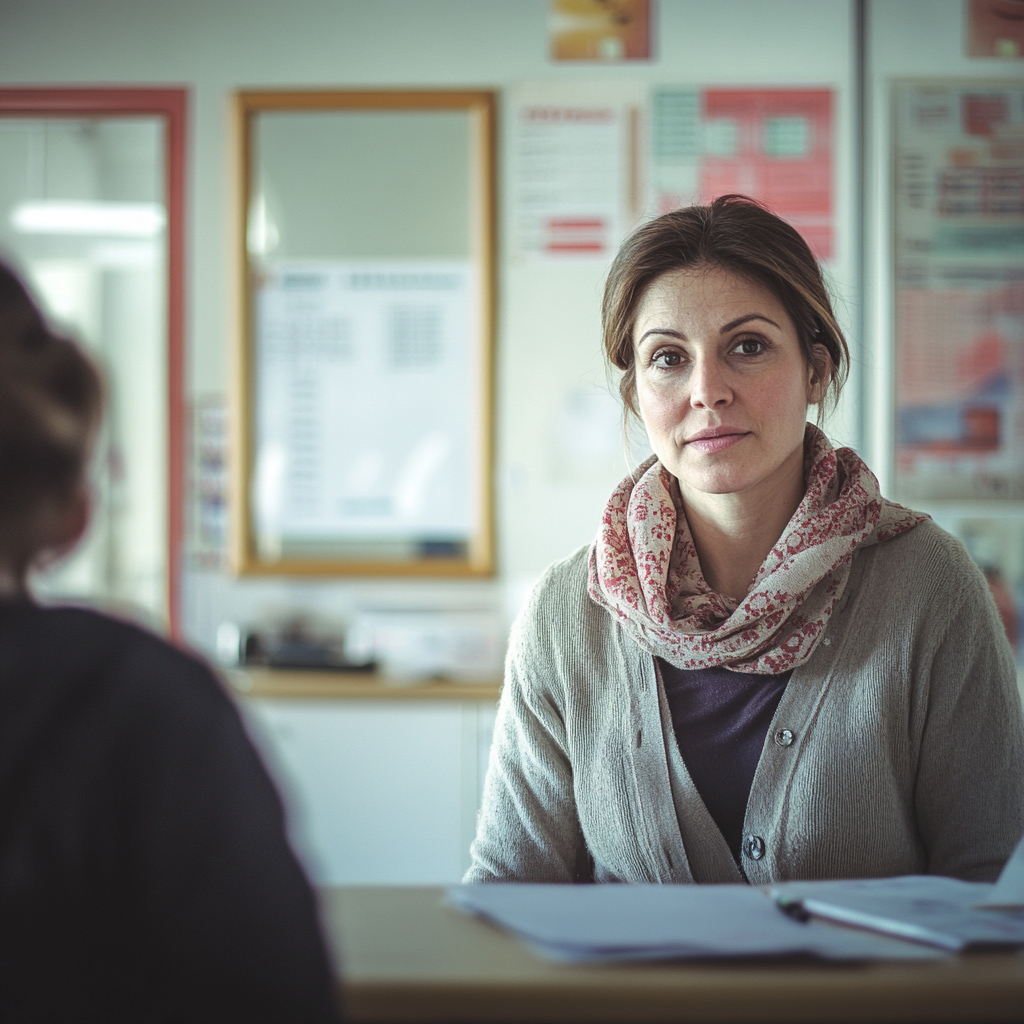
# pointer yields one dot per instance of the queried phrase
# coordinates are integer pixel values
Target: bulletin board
(364, 381)
(959, 289)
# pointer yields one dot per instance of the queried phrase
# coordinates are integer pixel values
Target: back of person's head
(732, 233)
(50, 407)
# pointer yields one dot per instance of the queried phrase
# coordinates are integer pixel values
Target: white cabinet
(378, 792)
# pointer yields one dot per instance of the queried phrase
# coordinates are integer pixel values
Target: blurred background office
(891, 132)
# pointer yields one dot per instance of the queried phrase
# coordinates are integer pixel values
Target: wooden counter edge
(323, 685)
(410, 1002)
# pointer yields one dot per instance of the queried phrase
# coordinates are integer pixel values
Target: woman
(761, 670)
(144, 869)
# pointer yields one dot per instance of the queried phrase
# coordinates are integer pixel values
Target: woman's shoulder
(928, 547)
(925, 563)
(561, 592)
(559, 623)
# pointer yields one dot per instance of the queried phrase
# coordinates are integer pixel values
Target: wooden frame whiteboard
(320, 523)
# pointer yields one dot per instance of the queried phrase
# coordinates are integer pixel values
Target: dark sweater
(721, 719)
(144, 868)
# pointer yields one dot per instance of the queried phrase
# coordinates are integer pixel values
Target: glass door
(86, 217)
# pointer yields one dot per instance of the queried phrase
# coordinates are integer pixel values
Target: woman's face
(722, 383)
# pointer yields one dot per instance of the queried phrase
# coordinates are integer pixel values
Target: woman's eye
(667, 359)
(750, 347)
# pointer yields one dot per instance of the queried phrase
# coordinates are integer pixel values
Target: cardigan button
(784, 738)
(753, 847)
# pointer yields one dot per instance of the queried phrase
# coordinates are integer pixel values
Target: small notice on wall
(995, 28)
(600, 29)
(959, 207)
(569, 182)
(341, 348)
(774, 145)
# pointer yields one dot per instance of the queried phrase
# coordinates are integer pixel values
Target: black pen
(793, 908)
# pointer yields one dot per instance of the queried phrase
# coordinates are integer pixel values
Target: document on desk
(650, 922)
(942, 912)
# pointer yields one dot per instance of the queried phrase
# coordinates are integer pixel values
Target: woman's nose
(709, 388)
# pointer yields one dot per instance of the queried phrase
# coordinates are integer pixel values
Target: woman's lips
(711, 442)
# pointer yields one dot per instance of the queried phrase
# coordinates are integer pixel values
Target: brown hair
(50, 408)
(737, 234)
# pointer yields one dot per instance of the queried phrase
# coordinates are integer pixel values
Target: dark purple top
(721, 719)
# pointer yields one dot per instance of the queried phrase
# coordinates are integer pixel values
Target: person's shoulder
(928, 546)
(561, 590)
(560, 625)
(927, 562)
(89, 644)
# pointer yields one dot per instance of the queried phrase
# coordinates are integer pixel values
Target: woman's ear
(819, 374)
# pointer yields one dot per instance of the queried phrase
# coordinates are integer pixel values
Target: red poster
(776, 146)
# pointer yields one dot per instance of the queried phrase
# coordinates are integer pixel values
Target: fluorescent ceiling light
(89, 217)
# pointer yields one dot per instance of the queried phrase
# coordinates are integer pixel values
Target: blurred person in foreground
(144, 869)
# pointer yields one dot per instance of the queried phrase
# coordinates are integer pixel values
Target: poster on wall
(995, 28)
(570, 187)
(611, 30)
(332, 461)
(959, 289)
(775, 145)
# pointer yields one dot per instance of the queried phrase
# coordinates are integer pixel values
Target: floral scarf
(644, 567)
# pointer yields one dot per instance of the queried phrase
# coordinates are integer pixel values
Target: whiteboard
(365, 381)
(341, 346)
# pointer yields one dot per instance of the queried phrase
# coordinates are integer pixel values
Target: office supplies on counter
(595, 923)
(423, 644)
(294, 646)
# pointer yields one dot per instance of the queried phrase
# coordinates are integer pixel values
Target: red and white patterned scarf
(644, 567)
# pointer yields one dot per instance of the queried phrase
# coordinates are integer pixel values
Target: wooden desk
(407, 957)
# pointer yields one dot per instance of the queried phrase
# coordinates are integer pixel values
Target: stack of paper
(908, 917)
(649, 922)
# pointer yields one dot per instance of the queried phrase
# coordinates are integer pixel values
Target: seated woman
(761, 669)
(144, 868)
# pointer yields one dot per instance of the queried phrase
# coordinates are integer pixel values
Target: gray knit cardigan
(898, 748)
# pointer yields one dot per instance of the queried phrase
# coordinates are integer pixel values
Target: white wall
(548, 341)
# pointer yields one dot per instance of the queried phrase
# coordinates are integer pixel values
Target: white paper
(616, 922)
(921, 908)
(569, 181)
(368, 391)
(1009, 889)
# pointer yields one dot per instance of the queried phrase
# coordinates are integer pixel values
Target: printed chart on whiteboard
(774, 145)
(341, 348)
(959, 222)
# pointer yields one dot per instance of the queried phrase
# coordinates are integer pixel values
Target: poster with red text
(569, 181)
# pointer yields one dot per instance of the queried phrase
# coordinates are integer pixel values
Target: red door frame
(172, 105)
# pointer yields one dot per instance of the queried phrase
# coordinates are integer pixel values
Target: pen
(793, 908)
